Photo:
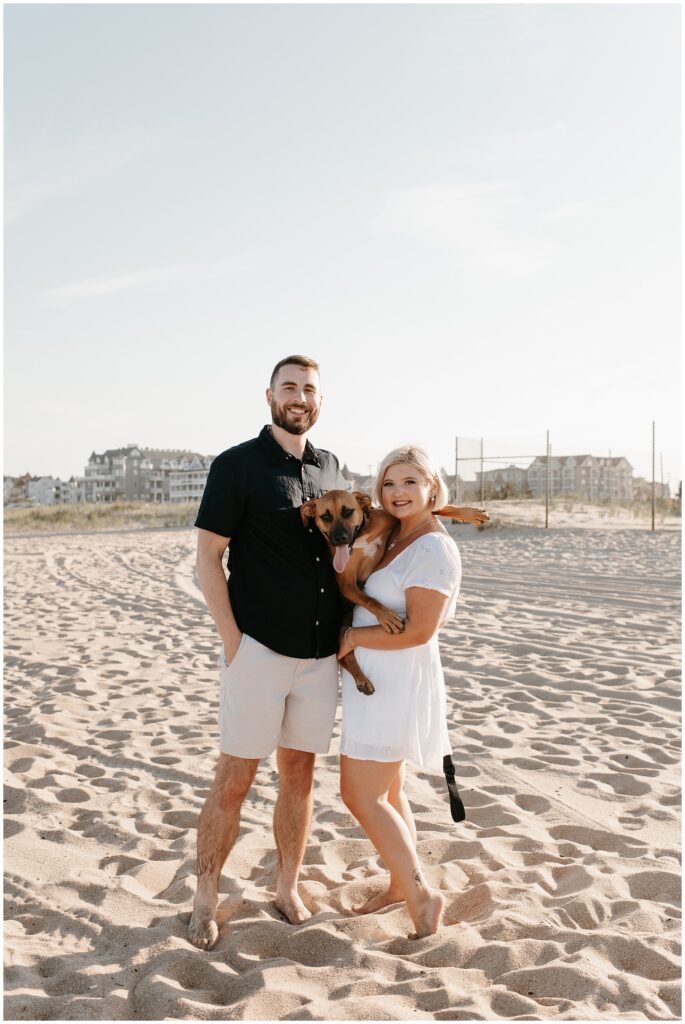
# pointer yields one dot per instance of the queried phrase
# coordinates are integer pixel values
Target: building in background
(468, 489)
(16, 489)
(69, 492)
(357, 481)
(134, 473)
(187, 480)
(597, 478)
(642, 489)
(157, 475)
(41, 490)
(508, 482)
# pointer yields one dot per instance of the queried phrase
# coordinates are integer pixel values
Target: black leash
(456, 803)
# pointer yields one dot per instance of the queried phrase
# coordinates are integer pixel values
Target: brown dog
(357, 534)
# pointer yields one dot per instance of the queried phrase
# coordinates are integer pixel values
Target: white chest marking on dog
(367, 546)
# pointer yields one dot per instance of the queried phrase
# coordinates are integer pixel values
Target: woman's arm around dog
(425, 609)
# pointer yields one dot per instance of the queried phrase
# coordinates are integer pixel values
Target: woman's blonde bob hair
(419, 458)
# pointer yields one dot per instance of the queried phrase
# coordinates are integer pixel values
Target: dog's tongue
(341, 557)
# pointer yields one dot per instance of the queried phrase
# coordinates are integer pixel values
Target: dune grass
(119, 515)
(138, 515)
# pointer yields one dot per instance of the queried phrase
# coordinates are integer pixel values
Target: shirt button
(310, 530)
(318, 559)
(322, 590)
(316, 623)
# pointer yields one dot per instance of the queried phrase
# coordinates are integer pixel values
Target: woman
(418, 578)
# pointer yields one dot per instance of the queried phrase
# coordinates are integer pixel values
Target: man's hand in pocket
(231, 649)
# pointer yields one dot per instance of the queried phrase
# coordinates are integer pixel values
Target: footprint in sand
(91, 771)
(596, 839)
(31, 923)
(526, 763)
(658, 886)
(73, 795)
(623, 785)
(631, 824)
(181, 819)
(497, 742)
(631, 763)
(531, 802)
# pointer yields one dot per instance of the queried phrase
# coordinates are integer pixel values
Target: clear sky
(470, 215)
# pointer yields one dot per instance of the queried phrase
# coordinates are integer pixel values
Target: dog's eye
(327, 517)
(346, 513)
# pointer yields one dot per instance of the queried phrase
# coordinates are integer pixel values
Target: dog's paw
(365, 686)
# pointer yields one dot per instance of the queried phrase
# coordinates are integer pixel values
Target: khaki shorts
(268, 700)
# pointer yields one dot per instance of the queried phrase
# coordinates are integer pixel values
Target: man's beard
(280, 418)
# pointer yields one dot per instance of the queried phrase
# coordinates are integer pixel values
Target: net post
(547, 481)
(653, 473)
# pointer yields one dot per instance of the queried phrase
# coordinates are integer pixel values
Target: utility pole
(482, 478)
(653, 485)
(456, 471)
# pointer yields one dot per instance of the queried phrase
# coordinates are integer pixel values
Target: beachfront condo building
(595, 477)
(134, 473)
(157, 475)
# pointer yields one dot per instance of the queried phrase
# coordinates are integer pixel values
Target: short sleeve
(223, 499)
(434, 564)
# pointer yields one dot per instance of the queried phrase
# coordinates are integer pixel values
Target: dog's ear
(308, 511)
(363, 500)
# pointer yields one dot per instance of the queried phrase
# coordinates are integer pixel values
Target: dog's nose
(340, 536)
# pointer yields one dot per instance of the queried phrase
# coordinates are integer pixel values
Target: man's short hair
(304, 361)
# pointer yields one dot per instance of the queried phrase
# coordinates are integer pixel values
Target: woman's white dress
(406, 717)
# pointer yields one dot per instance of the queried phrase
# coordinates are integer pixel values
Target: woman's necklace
(411, 532)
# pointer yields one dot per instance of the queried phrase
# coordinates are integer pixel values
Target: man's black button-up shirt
(281, 582)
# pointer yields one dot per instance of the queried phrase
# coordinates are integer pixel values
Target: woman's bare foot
(429, 917)
(292, 907)
(384, 899)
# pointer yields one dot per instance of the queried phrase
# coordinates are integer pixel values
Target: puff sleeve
(435, 564)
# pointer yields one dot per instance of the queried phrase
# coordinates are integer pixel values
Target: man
(278, 621)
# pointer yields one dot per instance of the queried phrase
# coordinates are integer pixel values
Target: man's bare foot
(292, 907)
(430, 916)
(384, 899)
(203, 930)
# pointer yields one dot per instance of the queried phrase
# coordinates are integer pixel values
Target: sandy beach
(562, 886)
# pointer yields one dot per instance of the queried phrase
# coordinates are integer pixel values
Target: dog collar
(359, 528)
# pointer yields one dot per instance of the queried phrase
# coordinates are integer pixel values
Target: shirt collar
(278, 454)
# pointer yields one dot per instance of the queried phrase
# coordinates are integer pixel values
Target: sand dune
(563, 885)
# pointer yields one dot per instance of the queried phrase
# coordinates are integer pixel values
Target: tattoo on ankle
(417, 876)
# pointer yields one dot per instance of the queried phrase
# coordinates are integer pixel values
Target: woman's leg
(398, 800)
(364, 787)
